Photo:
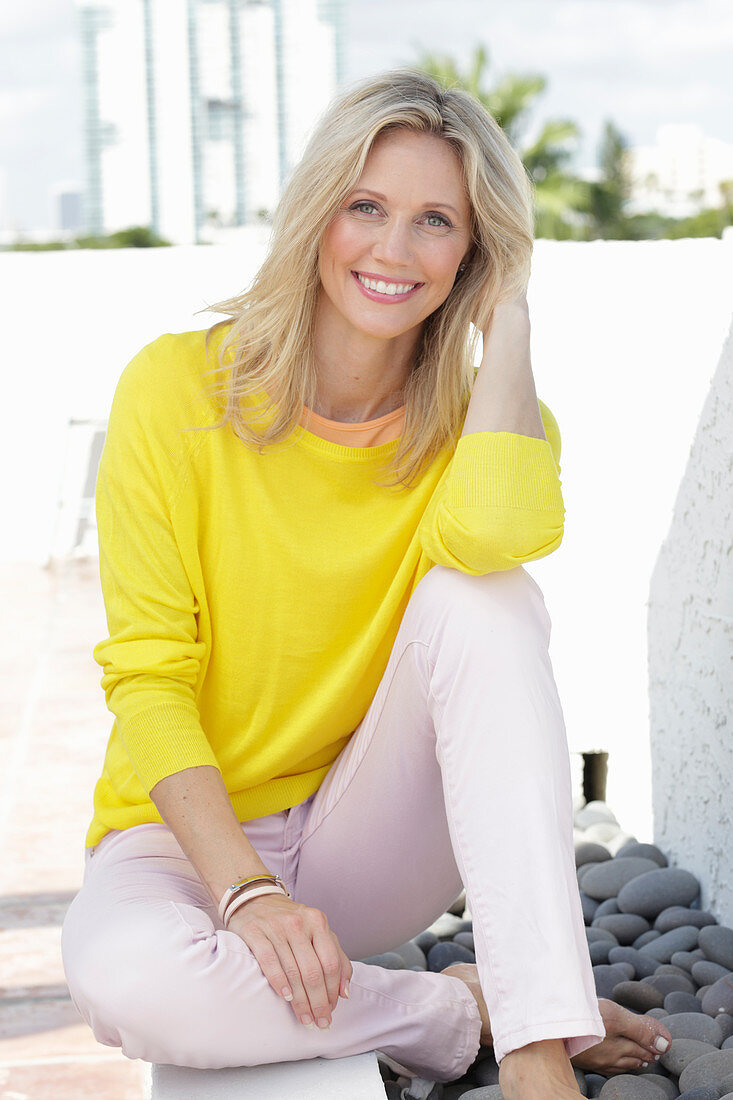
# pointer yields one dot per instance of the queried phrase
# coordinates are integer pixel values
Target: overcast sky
(641, 63)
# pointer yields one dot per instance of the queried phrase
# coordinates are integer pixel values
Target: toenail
(661, 1043)
(657, 1057)
(644, 1065)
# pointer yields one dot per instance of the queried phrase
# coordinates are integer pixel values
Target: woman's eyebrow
(427, 205)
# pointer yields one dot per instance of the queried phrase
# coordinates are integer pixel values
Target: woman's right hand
(297, 952)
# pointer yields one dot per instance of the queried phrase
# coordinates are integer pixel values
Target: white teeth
(385, 288)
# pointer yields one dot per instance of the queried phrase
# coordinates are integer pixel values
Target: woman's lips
(384, 298)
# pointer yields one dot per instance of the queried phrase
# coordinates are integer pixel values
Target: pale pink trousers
(458, 775)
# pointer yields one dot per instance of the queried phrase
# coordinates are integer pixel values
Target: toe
(656, 1038)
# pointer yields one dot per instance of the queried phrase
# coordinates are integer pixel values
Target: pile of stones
(653, 950)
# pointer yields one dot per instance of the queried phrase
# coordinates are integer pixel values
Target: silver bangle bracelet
(247, 895)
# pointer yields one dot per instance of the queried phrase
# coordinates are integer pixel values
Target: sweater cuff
(504, 470)
(163, 739)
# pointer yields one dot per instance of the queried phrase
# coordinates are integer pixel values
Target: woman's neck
(360, 377)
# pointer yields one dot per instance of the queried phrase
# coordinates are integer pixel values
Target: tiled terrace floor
(53, 731)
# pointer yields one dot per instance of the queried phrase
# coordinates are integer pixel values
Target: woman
(333, 699)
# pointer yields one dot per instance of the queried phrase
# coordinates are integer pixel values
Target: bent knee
(510, 596)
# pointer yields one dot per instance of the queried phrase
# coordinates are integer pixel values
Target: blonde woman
(333, 700)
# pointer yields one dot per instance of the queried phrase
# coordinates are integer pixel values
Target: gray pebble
(606, 880)
(719, 997)
(677, 915)
(656, 890)
(599, 951)
(686, 959)
(589, 906)
(682, 1002)
(455, 1091)
(727, 1044)
(669, 968)
(596, 810)
(583, 870)
(587, 852)
(682, 1053)
(657, 1013)
(679, 939)
(701, 993)
(390, 960)
(704, 1092)
(446, 954)
(459, 905)
(645, 938)
(490, 1092)
(670, 983)
(486, 1072)
(708, 1069)
(626, 927)
(717, 943)
(465, 939)
(593, 935)
(694, 1025)
(425, 941)
(608, 977)
(726, 1084)
(446, 926)
(707, 973)
(625, 1086)
(666, 1084)
(412, 954)
(647, 851)
(725, 1023)
(637, 996)
(392, 1090)
(607, 908)
(594, 1083)
(580, 1078)
(642, 964)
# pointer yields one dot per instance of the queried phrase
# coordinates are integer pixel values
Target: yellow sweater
(253, 598)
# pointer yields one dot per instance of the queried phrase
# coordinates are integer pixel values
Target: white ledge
(357, 1077)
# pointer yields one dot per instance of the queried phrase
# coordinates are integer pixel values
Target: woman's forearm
(195, 805)
(503, 398)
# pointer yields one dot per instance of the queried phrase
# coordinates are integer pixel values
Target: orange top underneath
(369, 433)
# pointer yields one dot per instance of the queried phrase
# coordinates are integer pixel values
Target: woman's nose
(393, 243)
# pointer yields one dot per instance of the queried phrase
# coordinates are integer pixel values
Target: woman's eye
(363, 207)
(438, 220)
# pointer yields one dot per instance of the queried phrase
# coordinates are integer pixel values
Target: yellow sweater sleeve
(499, 503)
(152, 659)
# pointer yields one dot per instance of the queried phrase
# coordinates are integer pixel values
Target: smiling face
(390, 255)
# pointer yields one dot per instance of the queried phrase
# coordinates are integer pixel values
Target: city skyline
(639, 63)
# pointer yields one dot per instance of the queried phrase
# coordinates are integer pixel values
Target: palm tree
(560, 197)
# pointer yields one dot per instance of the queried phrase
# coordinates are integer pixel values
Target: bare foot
(629, 1043)
(538, 1071)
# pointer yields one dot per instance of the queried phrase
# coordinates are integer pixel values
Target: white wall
(625, 339)
(691, 658)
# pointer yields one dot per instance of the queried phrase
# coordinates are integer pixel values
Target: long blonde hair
(266, 358)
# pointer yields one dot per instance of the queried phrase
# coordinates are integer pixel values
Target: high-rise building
(195, 110)
(680, 175)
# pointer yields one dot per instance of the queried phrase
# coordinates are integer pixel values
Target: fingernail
(287, 994)
(323, 1022)
(307, 1021)
(346, 989)
(661, 1043)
